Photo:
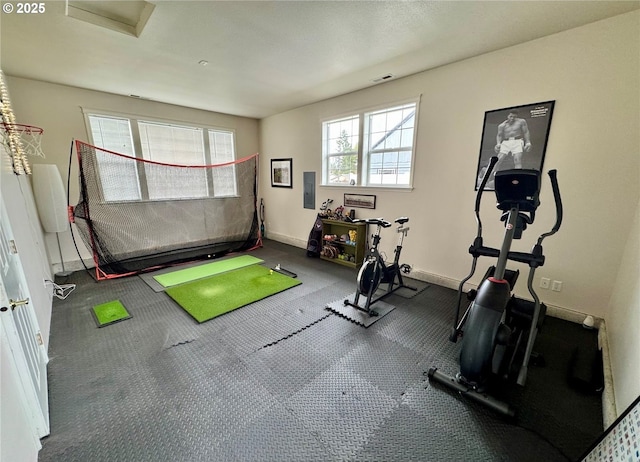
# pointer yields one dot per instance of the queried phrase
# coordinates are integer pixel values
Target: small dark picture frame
(281, 173)
(363, 201)
(521, 143)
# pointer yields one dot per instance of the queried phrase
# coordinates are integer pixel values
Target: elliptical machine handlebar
(556, 196)
(492, 163)
(553, 176)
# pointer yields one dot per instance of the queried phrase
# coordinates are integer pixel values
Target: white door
(20, 332)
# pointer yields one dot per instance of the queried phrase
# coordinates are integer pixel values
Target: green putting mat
(202, 271)
(207, 298)
(110, 312)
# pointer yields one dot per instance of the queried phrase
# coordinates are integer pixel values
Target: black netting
(128, 219)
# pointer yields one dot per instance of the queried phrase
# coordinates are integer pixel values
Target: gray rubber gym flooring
(284, 379)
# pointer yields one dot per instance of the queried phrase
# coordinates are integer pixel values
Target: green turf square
(109, 313)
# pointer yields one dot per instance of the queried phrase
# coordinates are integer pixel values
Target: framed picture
(281, 173)
(363, 201)
(517, 135)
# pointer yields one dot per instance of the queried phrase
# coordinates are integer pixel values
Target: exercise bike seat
(401, 220)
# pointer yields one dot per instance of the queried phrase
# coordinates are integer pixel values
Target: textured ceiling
(266, 57)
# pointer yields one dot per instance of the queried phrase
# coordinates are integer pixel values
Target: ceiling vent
(128, 17)
(383, 78)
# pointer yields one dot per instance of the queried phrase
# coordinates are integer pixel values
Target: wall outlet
(556, 286)
(544, 283)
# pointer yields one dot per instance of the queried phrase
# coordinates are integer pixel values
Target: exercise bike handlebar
(373, 221)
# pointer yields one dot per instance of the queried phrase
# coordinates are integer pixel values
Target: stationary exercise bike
(496, 324)
(374, 271)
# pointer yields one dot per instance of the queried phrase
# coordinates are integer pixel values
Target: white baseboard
(293, 241)
(431, 278)
(609, 412)
(75, 265)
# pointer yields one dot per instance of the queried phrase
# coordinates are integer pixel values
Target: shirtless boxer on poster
(512, 138)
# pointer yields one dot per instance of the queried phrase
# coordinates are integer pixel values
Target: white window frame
(364, 152)
(134, 128)
(328, 154)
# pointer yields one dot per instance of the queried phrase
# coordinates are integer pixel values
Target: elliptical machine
(496, 323)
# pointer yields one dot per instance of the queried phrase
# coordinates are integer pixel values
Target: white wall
(623, 319)
(593, 74)
(57, 109)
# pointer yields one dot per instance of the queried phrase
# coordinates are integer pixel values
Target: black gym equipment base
(367, 309)
(358, 314)
(482, 398)
(520, 316)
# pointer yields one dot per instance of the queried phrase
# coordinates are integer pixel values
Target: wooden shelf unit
(339, 228)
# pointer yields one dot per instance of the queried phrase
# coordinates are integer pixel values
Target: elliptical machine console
(496, 324)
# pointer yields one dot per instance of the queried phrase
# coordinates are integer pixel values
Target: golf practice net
(135, 214)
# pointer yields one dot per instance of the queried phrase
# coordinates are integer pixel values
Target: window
(119, 177)
(341, 140)
(222, 151)
(170, 144)
(165, 143)
(383, 159)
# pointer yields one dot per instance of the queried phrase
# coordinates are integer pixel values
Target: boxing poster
(517, 135)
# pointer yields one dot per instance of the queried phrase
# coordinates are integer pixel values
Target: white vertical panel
(51, 200)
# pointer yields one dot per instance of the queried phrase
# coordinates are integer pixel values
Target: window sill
(362, 189)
